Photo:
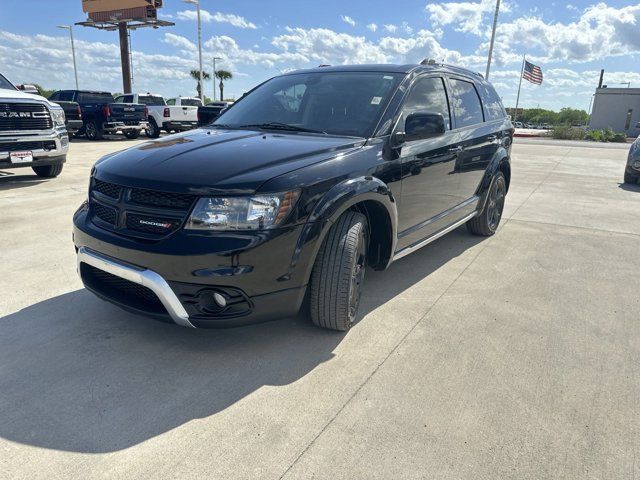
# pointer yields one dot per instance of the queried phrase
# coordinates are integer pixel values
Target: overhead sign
(93, 6)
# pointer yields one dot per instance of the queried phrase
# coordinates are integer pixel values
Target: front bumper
(179, 125)
(255, 273)
(74, 125)
(50, 148)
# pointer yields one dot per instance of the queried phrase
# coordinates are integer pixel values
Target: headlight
(242, 213)
(57, 115)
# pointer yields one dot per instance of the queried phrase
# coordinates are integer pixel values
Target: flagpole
(515, 113)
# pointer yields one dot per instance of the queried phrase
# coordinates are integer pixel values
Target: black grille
(121, 290)
(106, 214)
(138, 212)
(109, 189)
(161, 199)
(24, 116)
(28, 146)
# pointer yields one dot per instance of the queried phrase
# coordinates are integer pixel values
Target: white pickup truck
(164, 115)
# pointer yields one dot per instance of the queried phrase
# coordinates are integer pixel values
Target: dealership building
(618, 109)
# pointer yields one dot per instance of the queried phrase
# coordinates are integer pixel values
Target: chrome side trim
(412, 248)
(141, 276)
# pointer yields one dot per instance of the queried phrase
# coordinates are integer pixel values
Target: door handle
(492, 138)
(457, 149)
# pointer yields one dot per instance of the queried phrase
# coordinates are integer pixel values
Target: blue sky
(258, 39)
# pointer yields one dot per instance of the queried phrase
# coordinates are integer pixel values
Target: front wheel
(338, 273)
(486, 223)
(48, 171)
(628, 178)
(132, 134)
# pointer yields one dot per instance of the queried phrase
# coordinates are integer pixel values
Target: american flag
(532, 73)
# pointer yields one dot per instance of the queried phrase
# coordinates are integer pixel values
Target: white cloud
(466, 16)
(406, 28)
(373, 27)
(391, 28)
(179, 41)
(230, 18)
(348, 19)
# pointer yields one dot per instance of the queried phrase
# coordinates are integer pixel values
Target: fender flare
(334, 203)
(501, 157)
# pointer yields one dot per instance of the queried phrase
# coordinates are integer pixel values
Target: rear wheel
(487, 222)
(338, 273)
(92, 131)
(628, 178)
(132, 134)
(153, 131)
(48, 171)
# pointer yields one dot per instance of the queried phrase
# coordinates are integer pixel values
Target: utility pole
(214, 75)
(493, 37)
(515, 113)
(197, 4)
(73, 52)
(124, 57)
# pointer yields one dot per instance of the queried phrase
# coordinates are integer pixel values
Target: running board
(412, 248)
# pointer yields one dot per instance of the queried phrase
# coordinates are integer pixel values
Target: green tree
(223, 75)
(43, 91)
(195, 74)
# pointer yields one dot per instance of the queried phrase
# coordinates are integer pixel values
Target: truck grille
(24, 116)
(137, 212)
(26, 146)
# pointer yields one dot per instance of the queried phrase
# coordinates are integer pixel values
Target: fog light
(220, 300)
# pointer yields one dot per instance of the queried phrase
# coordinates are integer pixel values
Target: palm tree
(223, 75)
(195, 74)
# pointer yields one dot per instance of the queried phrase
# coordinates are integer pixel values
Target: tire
(48, 171)
(628, 178)
(92, 131)
(131, 134)
(338, 273)
(70, 135)
(487, 222)
(153, 131)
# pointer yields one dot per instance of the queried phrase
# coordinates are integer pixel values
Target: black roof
(391, 68)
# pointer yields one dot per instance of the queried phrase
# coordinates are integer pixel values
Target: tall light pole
(73, 51)
(493, 37)
(197, 4)
(214, 75)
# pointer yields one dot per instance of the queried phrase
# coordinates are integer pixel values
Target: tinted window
(493, 109)
(428, 95)
(119, 99)
(150, 100)
(6, 84)
(466, 103)
(340, 103)
(94, 97)
(65, 96)
(190, 102)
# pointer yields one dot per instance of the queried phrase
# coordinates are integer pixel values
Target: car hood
(19, 95)
(215, 161)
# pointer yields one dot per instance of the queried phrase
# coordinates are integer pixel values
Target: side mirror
(423, 125)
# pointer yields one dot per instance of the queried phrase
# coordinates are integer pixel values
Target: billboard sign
(94, 6)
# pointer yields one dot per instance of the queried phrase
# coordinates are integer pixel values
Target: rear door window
(493, 109)
(94, 97)
(466, 103)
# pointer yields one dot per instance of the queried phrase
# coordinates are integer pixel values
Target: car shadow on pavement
(79, 374)
(629, 187)
(10, 180)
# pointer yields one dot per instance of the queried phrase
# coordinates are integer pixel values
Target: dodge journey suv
(293, 192)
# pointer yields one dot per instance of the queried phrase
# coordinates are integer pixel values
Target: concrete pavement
(510, 357)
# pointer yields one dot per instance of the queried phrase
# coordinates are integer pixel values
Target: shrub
(568, 133)
(606, 135)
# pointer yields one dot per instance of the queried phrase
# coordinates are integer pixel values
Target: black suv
(293, 191)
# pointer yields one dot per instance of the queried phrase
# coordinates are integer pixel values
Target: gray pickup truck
(32, 132)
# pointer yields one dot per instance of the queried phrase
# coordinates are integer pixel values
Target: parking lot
(515, 356)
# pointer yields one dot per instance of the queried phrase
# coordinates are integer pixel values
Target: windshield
(338, 103)
(190, 102)
(151, 100)
(6, 84)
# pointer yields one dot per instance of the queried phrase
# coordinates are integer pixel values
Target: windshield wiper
(282, 126)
